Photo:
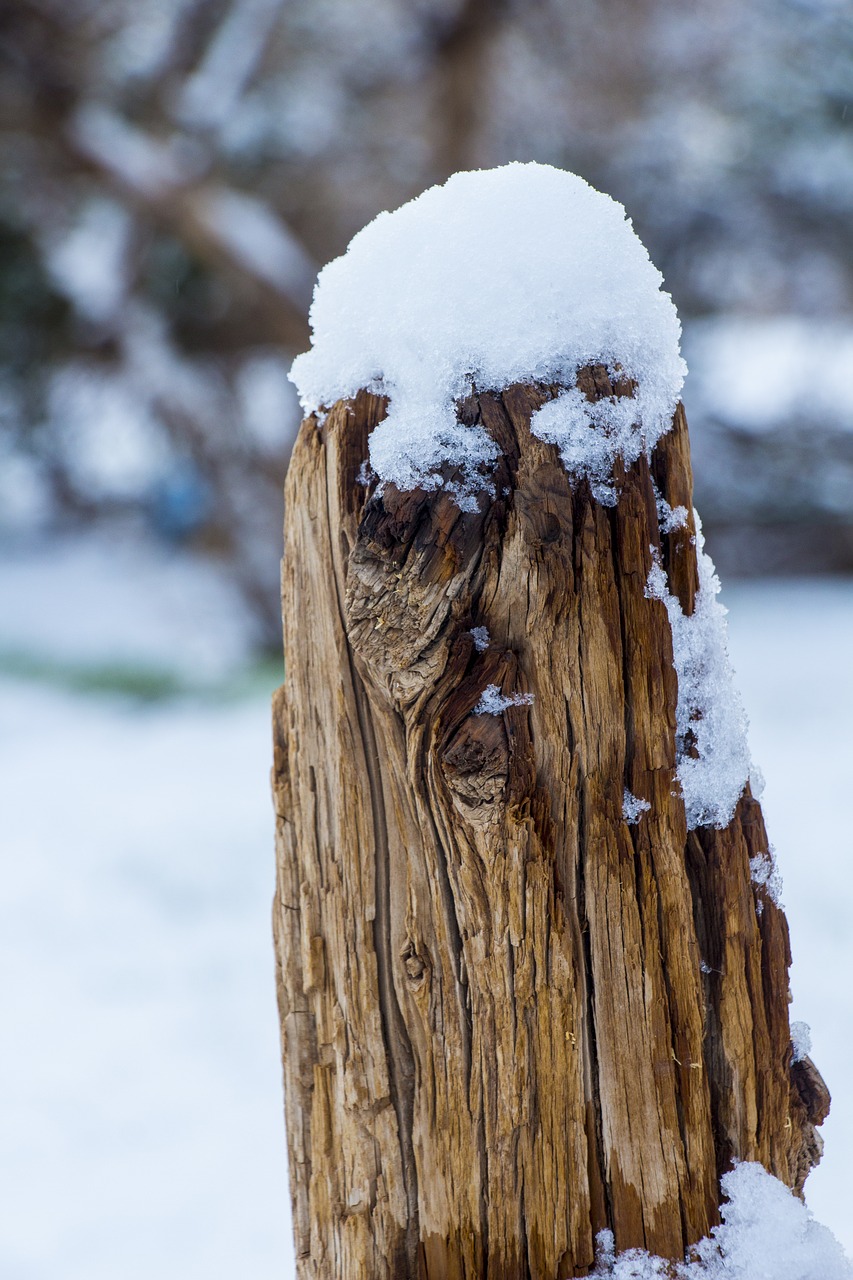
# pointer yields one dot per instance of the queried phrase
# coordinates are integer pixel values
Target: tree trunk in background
(509, 1019)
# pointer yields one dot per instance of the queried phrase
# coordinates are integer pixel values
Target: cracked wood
(508, 1018)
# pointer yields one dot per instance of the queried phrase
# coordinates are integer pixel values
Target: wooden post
(509, 1018)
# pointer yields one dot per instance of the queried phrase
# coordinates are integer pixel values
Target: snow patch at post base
(766, 1234)
(519, 274)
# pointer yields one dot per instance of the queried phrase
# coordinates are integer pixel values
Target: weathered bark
(508, 1018)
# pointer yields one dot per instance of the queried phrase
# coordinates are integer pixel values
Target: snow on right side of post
(711, 725)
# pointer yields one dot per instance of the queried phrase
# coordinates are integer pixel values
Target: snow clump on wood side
(766, 1234)
(518, 274)
(633, 808)
(494, 703)
(801, 1041)
(711, 724)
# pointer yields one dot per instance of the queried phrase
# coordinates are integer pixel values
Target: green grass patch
(139, 682)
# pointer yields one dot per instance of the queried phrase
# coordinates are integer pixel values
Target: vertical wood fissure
(401, 1064)
(597, 1174)
(601, 1199)
(400, 1059)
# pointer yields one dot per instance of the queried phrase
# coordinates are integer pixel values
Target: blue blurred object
(180, 503)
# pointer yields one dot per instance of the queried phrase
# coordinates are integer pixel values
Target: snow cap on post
(518, 274)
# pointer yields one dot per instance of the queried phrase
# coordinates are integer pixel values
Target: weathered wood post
(532, 975)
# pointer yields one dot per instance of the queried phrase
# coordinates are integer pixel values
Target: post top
(523, 273)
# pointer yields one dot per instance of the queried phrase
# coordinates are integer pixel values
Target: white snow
(801, 1040)
(141, 1132)
(591, 436)
(523, 273)
(710, 717)
(481, 638)
(633, 808)
(669, 518)
(766, 875)
(494, 703)
(766, 1234)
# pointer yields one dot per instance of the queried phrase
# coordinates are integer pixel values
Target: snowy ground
(144, 1137)
(791, 643)
(142, 1133)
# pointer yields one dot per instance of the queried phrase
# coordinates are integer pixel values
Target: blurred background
(174, 174)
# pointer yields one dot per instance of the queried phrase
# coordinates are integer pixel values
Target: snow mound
(711, 724)
(519, 274)
(766, 1234)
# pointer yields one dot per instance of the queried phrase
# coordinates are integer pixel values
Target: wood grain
(508, 1018)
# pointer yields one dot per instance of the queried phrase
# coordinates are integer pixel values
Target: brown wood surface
(508, 1018)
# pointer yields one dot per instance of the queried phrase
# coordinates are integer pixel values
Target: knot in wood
(475, 763)
(417, 966)
(407, 576)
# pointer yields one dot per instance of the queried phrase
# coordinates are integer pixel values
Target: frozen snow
(669, 518)
(633, 808)
(710, 719)
(523, 273)
(591, 436)
(766, 875)
(766, 1234)
(494, 703)
(801, 1040)
(481, 638)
